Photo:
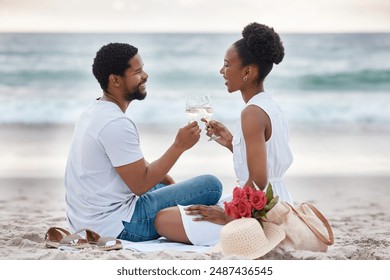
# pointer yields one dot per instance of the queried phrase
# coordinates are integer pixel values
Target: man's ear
(114, 80)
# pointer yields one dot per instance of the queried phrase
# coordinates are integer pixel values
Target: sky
(193, 15)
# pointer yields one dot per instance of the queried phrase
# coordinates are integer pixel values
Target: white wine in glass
(206, 109)
(192, 108)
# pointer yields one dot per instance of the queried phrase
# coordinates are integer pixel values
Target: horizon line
(184, 32)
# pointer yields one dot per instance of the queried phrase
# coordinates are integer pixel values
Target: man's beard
(135, 95)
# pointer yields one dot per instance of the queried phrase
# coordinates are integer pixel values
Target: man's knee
(213, 182)
(214, 187)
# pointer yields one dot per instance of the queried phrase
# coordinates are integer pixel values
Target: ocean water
(325, 79)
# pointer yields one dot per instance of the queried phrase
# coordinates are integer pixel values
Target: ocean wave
(45, 78)
(358, 80)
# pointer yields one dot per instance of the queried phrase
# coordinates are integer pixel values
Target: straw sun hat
(246, 238)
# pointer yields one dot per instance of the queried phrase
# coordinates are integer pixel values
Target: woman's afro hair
(263, 42)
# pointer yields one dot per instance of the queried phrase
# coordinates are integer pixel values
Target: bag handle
(319, 234)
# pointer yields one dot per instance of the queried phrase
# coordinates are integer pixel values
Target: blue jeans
(205, 189)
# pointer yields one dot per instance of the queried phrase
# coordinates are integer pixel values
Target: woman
(261, 153)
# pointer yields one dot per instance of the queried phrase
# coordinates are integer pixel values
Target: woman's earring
(245, 79)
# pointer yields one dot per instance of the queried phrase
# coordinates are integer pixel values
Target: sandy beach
(345, 173)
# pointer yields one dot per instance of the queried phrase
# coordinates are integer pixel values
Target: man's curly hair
(261, 46)
(112, 59)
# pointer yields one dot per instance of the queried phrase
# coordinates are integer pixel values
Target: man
(110, 188)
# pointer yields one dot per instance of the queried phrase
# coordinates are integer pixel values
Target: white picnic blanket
(162, 244)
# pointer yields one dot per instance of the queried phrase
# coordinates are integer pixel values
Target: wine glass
(205, 108)
(192, 107)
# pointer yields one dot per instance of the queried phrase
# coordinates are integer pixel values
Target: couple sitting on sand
(113, 190)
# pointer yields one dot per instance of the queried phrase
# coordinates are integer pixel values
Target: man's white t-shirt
(96, 196)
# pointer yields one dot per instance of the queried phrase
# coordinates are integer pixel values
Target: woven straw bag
(305, 227)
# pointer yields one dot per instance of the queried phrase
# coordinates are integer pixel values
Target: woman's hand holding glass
(216, 128)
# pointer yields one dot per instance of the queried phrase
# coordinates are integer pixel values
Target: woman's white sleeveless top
(279, 157)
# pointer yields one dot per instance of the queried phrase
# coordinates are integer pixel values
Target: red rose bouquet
(251, 203)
